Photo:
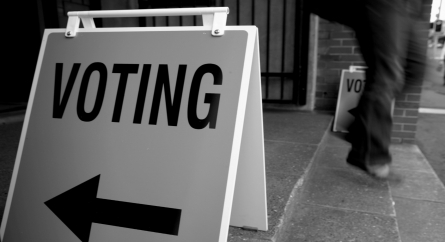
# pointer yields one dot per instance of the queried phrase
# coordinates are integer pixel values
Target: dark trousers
(394, 49)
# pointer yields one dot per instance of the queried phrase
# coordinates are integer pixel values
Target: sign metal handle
(357, 68)
(215, 18)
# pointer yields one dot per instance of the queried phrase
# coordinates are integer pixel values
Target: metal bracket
(357, 68)
(214, 18)
(88, 23)
(217, 21)
(72, 26)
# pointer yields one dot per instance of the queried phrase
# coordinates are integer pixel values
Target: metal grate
(283, 33)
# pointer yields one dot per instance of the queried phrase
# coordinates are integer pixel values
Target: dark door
(21, 43)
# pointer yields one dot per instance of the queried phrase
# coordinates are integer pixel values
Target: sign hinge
(217, 21)
(72, 27)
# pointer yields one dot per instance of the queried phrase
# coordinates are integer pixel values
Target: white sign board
(352, 83)
(136, 134)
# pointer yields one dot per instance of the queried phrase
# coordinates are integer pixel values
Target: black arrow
(79, 207)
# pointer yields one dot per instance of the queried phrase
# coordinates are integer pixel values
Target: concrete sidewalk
(312, 194)
(339, 203)
(334, 202)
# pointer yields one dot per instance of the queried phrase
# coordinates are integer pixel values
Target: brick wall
(337, 50)
(405, 115)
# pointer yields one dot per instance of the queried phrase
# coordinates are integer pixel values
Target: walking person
(394, 49)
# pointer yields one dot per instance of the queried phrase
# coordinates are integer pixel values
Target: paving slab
(295, 127)
(418, 185)
(430, 137)
(419, 181)
(333, 183)
(290, 158)
(312, 223)
(409, 157)
(420, 221)
(333, 157)
(347, 189)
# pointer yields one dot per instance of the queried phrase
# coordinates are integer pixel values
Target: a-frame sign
(141, 134)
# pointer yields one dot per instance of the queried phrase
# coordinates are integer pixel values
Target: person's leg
(380, 39)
